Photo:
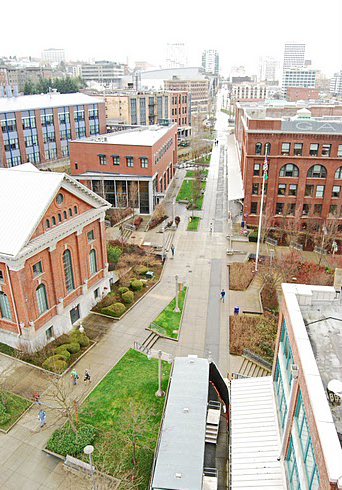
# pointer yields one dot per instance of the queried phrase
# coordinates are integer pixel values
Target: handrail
(254, 357)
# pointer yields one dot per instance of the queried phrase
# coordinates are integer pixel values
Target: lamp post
(89, 450)
(176, 310)
(163, 249)
(160, 393)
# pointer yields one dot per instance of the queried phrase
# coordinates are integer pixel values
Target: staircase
(252, 369)
(150, 340)
(213, 421)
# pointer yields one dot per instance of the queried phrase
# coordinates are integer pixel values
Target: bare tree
(63, 400)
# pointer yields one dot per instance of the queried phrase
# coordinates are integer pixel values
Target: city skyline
(241, 43)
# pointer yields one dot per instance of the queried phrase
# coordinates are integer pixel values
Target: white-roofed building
(53, 262)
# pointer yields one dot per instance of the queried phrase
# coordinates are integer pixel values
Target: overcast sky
(113, 29)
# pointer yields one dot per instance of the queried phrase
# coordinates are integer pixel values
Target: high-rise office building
(298, 77)
(176, 55)
(294, 55)
(336, 84)
(53, 55)
(211, 61)
(267, 69)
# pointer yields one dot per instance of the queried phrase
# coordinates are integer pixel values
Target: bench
(77, 464)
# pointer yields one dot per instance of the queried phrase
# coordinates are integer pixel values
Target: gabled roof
(25, 195)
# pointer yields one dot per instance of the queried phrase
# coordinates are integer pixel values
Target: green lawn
(193, 224)
(14, 406)
(191, 173)
(205, 160)
(131, 383)
(184, 193)
(168, 321)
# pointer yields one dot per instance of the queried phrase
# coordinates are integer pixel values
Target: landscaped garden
(189, 189)
(121, 419)
(168, 322)
(55, 356)
(138, 270)
(193, 223)
(11, 408)
(192, 173)
(240, 275)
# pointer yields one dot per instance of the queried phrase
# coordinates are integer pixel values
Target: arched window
(92, 262)
(289, 170)
(267, 148)
(317, 172)
(70, 212)
(68, 275)
(64, 215)
(5, 310)
(75, 209)
(258, 148)
(338, 173)
(59, 217)
(47, 224)
(41, 299)
(53, 221)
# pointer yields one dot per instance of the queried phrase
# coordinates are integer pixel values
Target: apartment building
(249, 91)
(211, 61)
(128, 168)
(304, 154)
(298, 77)
(300, 93)
(38, 128)
(197, 89)
(53, 262)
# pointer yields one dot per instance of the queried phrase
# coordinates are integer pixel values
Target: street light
(163, 249)
(176, 310)
(160, 393)
(89, 450)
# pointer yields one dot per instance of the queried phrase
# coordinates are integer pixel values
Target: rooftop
(45, 101)
(141, 136)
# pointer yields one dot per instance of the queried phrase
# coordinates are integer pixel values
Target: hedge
(64, 441)
(127, 297)
(116, 310)
(136, 285)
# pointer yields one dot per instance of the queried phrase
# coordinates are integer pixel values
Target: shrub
(80, 338)
(136, 285)
(253, 237)
(127, 297)
(116, 310)
(122, 290)
(64, 441)
(61, 350)
(4, 416)
(73, 347)
(113, 254)
(62, 339)
(55, 363)
(141, 270)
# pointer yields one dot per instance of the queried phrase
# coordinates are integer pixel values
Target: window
(309, 190)
(298, 149)
(279, 208)
(317, 172)
(59, 218)
(258, 148)
(291, 467)
(102, 159)
(5, 310)
(70, 212)
(291, 208)
(129, 161)
(306, 209)
(281, 189)
(68, 274)
(320, 191)
(338, 173)
(339, 151)
(49, 333)
(333, 209)
(336, 191)
(289, 170)
(96, 293)
(1, 276)
(41, 299)
(143, 162)
(8, 125)
(256, 169)
(59, 199)
(326, 150)
(318, 209)
(254, 207)
(53, 221)
(92, 262)
(267, 148)
(47, 224)
(37, 268)
(313, 150)
(90, 236)
(292, 189)
(255, 189)
(75, 209)
(285, 149)
(64, 215)
(116, 159)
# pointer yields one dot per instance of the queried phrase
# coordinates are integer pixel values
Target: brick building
(120, 165)
(304, 157)
(301, 93)
(287, 428)
(53, 262)
(198, 90)
(38, 128)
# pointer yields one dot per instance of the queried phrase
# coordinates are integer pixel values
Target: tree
(29, 88)
(133, 196)
(61, 396)
(195, 188)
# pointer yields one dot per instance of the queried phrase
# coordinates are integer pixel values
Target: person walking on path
(211, 228)
(172, 250)
(35, 398)
(74, 377)
(41, 418)
(223, 294)
(87, 379)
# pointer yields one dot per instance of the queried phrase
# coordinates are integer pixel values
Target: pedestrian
(173, 250)
(211, 228)
(87, 377)
(35, 398)
(74, 377)
(223, 294)
(41, 418)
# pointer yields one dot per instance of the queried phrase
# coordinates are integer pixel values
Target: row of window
(289, 209)
(182, 110)
(291, 170)
(116, 160)
(292, 190)
(298, 149)
(181, 99)
(160, 153)
(59, 217)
